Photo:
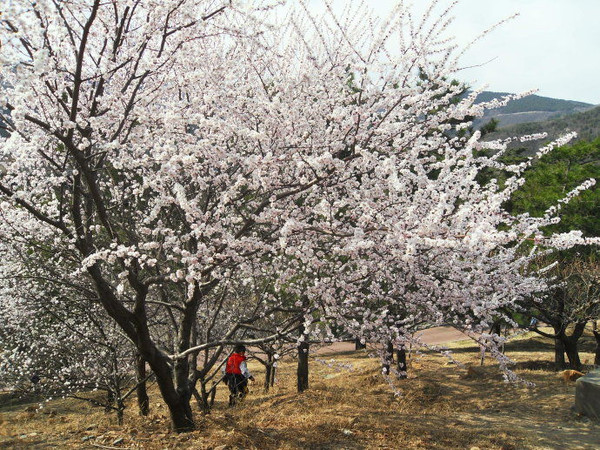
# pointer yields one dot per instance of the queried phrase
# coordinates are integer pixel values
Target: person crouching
(237, 374)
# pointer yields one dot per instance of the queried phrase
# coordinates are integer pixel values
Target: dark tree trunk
(573, 354)
(183, 386)
(110, 400)
(185, 393)
(268, 369)
(177, 401)
(597, 350)
(213, 393)
(179, 405)
(481, 355)
(564, 343)
(198, 397)
(135, 325)
(273, 370)
(559, 348)
(496, 327)
(388, 358)
(571, 345)
(559, 354)
(141, 392)
(205, 397)
(358, 345)
(120, 410)
(401, 362)
(185, 381)
(302, 372)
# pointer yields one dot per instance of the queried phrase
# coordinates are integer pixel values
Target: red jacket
(233, 363)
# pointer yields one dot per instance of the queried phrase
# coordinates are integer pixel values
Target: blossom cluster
(202, 167)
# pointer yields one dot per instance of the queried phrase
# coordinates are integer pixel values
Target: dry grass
(441, 407)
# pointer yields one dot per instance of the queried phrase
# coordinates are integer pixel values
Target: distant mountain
(532, 108)
(533, 103)
(586, 124)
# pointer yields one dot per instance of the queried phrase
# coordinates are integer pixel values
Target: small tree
(573, 302)
(66, 351)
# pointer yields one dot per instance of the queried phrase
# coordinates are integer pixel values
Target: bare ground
(441, 406)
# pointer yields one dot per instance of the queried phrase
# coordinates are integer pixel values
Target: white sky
(553, 45)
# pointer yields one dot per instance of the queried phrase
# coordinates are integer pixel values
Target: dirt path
(431, 336)
(441, 335)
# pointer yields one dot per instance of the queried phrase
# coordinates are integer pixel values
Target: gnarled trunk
(573, 354)
(120, 411)
(273, 370)
(302, 372)
(270, 371)
(559, 348)
(203, 398)
(183, 385)
(571, 345)
(178, 405)
(559, 354)
(388, 358)
(401, 362)
(142, 394)
(176, 399)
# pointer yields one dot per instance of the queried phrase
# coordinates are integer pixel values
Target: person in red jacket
(237, 374)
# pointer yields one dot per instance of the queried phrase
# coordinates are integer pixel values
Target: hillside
(532, 108)
(586, 124)
(534, 103)
(349, 405)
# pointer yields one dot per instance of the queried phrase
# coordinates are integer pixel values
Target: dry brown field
(442, 406)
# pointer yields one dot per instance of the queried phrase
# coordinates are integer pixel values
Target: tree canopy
(556, 174)
(202, 168)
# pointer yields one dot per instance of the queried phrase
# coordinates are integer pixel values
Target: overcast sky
(552, 46)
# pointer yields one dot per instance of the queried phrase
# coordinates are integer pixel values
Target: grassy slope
(586, 124)
(532, 109)
(441, 407)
